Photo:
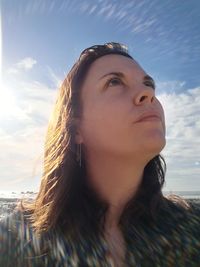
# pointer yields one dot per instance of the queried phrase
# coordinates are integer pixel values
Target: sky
(41, 39)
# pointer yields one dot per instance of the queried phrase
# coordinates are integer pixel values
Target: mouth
(150, 118)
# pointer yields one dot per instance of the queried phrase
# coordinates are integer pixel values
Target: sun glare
(7, 102)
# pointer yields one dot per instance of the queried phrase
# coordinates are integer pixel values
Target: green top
(173, 241)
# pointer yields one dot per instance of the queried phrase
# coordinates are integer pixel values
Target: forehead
(109, 63)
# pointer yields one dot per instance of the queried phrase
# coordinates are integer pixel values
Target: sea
(184, 194)
(8, 199)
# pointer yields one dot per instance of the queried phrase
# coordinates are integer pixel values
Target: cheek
(106, 110)
(102, 124)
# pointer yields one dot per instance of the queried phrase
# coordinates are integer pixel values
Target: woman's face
(115, 95)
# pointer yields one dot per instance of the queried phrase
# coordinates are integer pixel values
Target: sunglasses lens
(117, 47)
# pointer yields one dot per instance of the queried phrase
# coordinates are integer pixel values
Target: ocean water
(31, 194)
(8, 199)
(184, 194)
(17, 194)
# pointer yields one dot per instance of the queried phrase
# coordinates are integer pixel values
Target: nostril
(143, 98)
(152, 99)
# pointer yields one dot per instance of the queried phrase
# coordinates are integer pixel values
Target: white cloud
(22, 157)
(55, 79)
(13, 70)
(92, 9)
(132, 16)
(22, 135)
(170, 86)
(182, 151)
(24, 64)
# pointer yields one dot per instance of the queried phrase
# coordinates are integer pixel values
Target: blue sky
(41, 40)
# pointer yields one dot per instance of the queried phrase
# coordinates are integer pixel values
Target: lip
(150, 116)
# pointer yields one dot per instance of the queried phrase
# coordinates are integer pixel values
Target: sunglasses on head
(108, 47)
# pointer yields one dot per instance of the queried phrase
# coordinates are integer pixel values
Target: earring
(78, 154)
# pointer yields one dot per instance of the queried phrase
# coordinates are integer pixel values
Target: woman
(100, 201)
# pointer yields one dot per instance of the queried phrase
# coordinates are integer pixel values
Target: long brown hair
(65, 199)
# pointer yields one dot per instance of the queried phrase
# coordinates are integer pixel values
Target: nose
(146, 96)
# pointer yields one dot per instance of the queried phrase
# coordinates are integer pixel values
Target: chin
(156, 146)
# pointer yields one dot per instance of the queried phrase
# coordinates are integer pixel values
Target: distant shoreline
(10, 199)
(7, 205)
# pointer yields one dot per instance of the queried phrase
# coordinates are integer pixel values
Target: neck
(116, 181)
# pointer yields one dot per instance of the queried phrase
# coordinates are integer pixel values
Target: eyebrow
(119, 74)
(146, 78)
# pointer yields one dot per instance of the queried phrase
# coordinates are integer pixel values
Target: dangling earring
(78, 154)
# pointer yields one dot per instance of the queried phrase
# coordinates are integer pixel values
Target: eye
(114, 81)
(151, 84)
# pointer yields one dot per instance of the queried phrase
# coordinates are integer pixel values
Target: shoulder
(18, 241)
(181, 217)
(178, 229)
(195, 206)
(194, 215)
(9, 227)
(188, 207)
(10, 223)
(180, 208)
(14, 225)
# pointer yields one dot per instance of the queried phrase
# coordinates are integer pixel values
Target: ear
(78, 134)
